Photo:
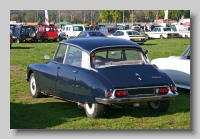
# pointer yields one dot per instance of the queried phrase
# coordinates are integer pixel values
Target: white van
(70, 31)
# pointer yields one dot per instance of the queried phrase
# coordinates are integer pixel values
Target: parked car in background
(131, 35)
(90, 33)
(12, 31)
(88, 28)
(47, 33)
(108, 30)
(122, 27)
(25, 34)
(136, 27)
(184, 32)
(177, 67)
(96, 72)
(71, 31)
(162, 32)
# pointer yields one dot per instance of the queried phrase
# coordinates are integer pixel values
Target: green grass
(52, 113)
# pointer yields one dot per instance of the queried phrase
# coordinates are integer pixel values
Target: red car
(46, 33)
(11, 41)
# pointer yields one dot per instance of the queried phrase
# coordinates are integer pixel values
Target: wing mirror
(47, 57)
(145, 51)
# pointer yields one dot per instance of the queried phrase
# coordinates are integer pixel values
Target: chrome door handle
(74, 71)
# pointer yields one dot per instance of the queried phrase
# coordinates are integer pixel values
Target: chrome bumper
(168, 96)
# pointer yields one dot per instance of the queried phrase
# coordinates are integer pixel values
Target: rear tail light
(120, 93)
(174, 88)
(162, 90)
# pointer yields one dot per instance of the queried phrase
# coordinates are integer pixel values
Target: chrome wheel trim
(33, 86)
(89, 109)
(155, 105)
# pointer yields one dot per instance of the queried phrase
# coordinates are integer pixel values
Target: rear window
(93, 34)
(117, 57)
(27, 28)
(166, 29)
(133, 33)
(77, 28)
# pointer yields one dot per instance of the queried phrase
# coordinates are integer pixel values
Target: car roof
(91, 44)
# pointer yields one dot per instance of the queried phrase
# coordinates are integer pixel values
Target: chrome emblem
(136, 74)
(139, 78)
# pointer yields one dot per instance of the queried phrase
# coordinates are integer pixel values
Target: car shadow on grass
(43, 115)
(20, 47)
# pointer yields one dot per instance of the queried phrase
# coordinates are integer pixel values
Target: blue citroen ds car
(99, 72)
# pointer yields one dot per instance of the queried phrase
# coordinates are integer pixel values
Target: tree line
(95, 16)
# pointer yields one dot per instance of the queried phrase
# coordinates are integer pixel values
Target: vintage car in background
(96, 72)
(90, 33)
(162, 32)
(183, 31)
(177, 67)
(108, 31)
(131, 35)
(47, 33)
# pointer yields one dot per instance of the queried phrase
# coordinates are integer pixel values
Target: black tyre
(159, 106)
(33, 88)
(161, 36)
(94, 110)
(18, 41)
(60, 39)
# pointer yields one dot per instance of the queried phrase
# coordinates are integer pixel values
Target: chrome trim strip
(168, 96)
(113, 94)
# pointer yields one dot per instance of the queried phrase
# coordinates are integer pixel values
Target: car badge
(136, 74)
(139, 78)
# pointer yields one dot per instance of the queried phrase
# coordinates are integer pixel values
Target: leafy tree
(14, 17)
(133, 18)
(105, 15)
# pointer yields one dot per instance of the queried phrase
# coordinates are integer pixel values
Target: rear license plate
(141, 91)
(137, 39)
(28, 39)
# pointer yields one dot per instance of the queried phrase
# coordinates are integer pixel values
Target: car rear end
(136, 37)
(51, 33)
(28, 33)
(75, 30)
(133, 78)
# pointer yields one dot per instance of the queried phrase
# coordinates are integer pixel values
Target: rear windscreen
(77, 28)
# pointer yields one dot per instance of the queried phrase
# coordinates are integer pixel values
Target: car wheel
(18, 41)
(186, 36)
(94, 110)
(159, 106)
(33, 88)
(161, 36)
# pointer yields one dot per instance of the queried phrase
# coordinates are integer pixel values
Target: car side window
(159, 30)
(60, 54)
(155, 29)
(121, 33)
(116, 33)
(73, 56)
(80, 35)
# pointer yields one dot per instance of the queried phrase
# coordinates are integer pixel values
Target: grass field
(52, 113)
